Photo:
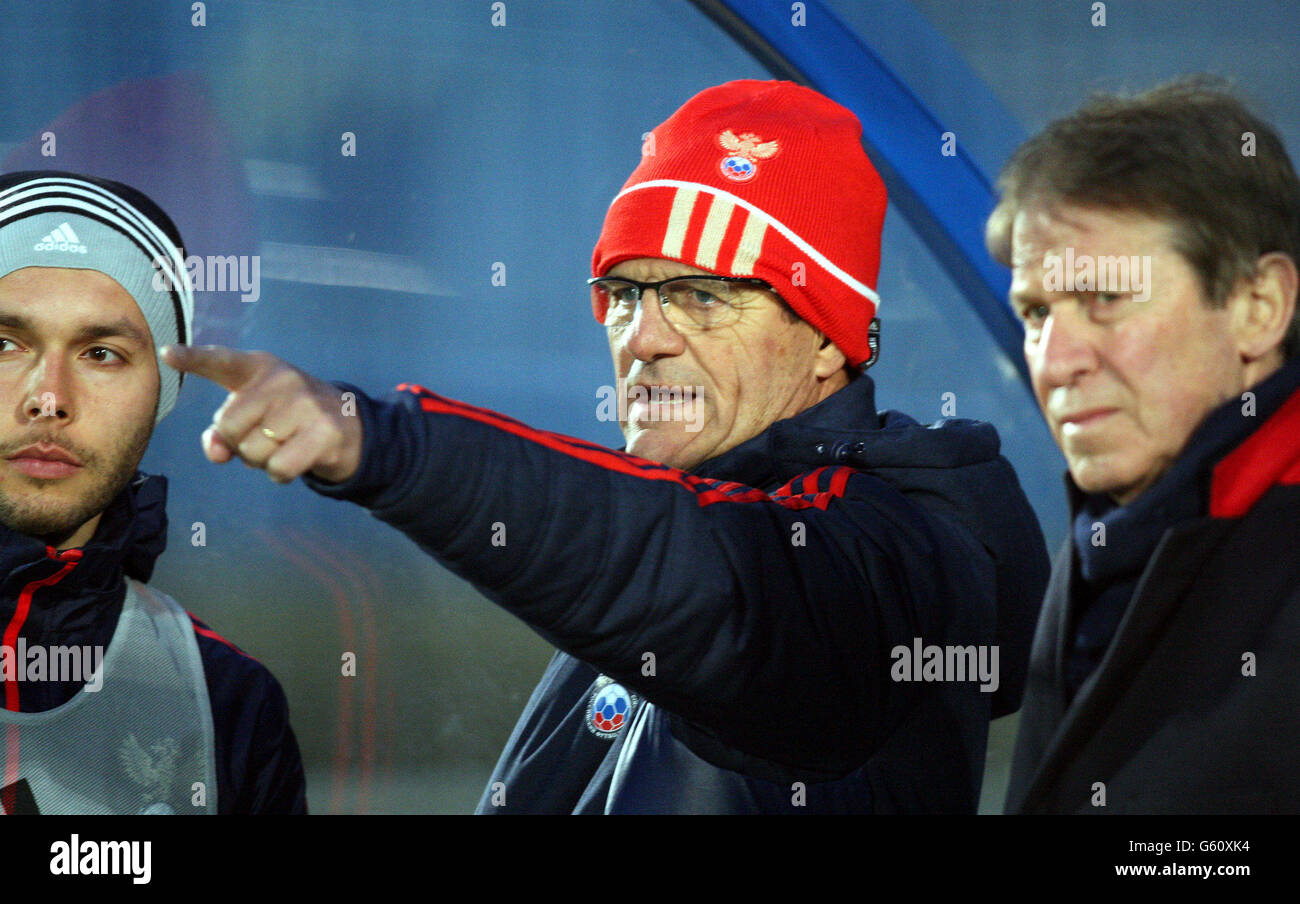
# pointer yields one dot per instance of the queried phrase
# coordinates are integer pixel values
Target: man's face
(1123, 373)
(79, 377)
(737, 380)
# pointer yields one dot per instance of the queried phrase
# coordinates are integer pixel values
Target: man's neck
(80, 537)
(831, 385)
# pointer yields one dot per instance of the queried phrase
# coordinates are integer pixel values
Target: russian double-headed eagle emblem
(746, 150)
(154, 768)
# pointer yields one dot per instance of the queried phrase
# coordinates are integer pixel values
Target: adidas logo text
(61, 239)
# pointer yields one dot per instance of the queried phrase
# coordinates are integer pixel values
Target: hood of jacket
(953, 468)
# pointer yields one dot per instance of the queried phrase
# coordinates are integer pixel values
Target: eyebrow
(111, 329)
(1030, 290)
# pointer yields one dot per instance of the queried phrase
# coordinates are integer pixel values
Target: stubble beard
(37, 513)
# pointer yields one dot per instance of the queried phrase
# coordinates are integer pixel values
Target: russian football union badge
(609, 707)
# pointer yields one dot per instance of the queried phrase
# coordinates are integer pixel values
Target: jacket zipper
(70, 558)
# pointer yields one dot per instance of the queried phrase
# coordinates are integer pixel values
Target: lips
(656, 402)
(1082, 420)
(661, 391)
(45, 461)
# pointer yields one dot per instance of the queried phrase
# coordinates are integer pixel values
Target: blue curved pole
(946, 199)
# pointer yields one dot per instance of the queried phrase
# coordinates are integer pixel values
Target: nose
(48, 392)
(1064, 350)
(650, 335)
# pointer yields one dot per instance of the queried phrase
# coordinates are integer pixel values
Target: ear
(1263, 306)
(829, 359)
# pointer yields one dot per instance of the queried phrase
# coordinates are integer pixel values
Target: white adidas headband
(64, 221)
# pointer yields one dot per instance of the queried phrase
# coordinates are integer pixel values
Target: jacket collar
(128, 540)
(1268, 457)
(778, 453)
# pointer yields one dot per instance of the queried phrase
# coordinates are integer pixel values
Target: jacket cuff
(366, 482)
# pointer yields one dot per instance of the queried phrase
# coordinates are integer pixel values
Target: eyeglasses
(689, 302)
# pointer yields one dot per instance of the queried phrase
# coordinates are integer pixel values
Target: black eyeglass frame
(873, 329)
(642, 286)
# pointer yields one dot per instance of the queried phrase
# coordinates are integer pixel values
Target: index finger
(227, 367)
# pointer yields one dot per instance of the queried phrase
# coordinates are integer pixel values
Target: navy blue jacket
(746, 611)
(1191, 706)
(259, 769)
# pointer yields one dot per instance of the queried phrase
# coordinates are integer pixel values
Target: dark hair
(1188, 152)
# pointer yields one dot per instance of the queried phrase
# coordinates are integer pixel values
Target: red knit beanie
(765, 179)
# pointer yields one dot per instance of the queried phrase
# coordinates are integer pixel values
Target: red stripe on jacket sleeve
(706, 491)
(204, 631)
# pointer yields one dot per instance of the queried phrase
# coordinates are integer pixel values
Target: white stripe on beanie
(715, 227)
(750, 247)
(678, 219)
(751, 239)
